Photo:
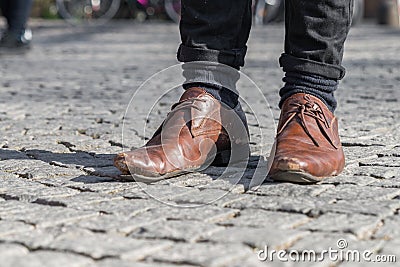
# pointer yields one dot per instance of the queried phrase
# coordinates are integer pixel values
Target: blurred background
(265, 11)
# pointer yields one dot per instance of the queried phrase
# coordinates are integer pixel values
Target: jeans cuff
(291, 63)
(212, 74)
(233, 58)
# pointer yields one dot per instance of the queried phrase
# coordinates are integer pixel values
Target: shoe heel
(222, 158)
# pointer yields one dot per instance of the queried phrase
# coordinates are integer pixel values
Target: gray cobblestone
(11, 251)
(99, 246)
(259, 237)
(389, 229)
(361, 226)
(262, 218)
(330, 240)
(11, 227)
(206, 213)
(346, 192)
(43, 215)
(61, 115)
(203, 254)
(121, 263)
(49, 259)
(304, 204)
(177, 230)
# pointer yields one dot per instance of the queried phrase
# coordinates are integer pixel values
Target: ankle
(318, 86)
(223, 95)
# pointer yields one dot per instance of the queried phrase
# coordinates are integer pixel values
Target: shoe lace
(313, 110)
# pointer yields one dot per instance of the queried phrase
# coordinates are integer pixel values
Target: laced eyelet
(313, 110)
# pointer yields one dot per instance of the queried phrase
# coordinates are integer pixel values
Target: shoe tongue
(192, 93)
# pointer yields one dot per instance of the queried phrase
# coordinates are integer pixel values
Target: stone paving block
(9, 251)
(10, 180)
(121, 263)
(261, 218)
(362, 226)
(181, 231)
(114, 187)
(258, 237)
(348, 177)
(391, 248)
(381, 161)
(7, 176)
(378, 172)
(363, 263)
(389, 230)
(124, 208)
(352, 152)
(290, 190)
(202, 254)
(71, 160)
(387, 183)
(13, 206)
(108, 171)
(251, 261)
(207, 197)
(37, 238)
(303, 204)
(206, 213)
(160, 192)
(319, 241)
(192, 180)
(91, 183)
(99, 246)
(80, 200)
(11, 227)
(49, 259)
(33, 191)
(363, 206)
(347, 192)
(232, 185)
(74, 181)
(35, 169)
(56, 120)
(43, 215)
(11, 154)
(124, 225)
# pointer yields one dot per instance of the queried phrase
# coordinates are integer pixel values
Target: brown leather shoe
(307, 147)
(198, 132)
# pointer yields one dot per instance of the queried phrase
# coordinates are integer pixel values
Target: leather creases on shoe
(313, 110)
(197, 132)
(307, 146)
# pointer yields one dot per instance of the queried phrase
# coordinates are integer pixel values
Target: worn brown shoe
(198, 132)
(307, 147)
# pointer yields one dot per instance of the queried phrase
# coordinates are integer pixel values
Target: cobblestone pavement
(61, 111)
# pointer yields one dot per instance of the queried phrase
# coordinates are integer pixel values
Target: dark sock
(315, 85)
(222, 94)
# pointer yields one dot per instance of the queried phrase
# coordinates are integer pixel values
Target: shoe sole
(221, 160)
(295, 177)
(148, 179)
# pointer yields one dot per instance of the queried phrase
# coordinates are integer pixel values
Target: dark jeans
(217, 31)
(16, 13)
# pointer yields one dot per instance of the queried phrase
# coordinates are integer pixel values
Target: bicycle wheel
(358, 12)
(173, 9)
(87, 12)
(273, 10)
